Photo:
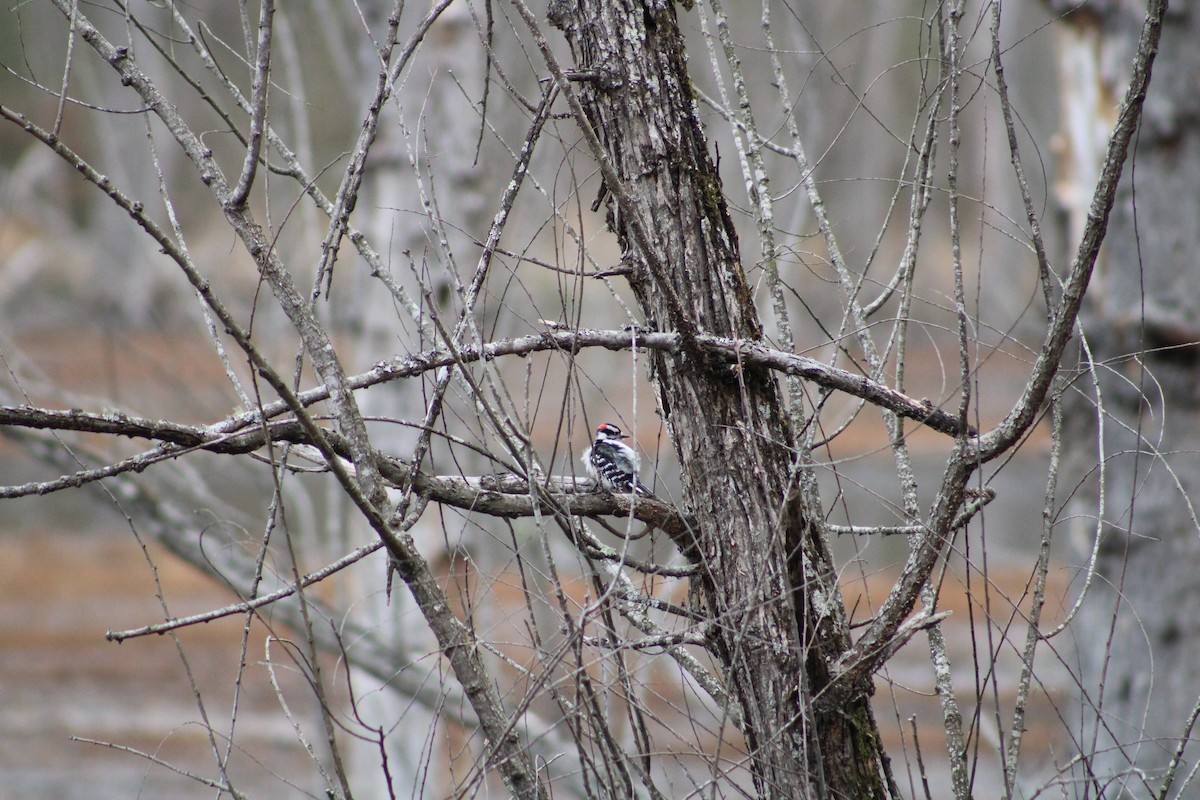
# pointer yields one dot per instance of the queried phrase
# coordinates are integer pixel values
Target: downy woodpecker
(614, 464)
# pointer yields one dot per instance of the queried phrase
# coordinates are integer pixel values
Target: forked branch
(869, 652)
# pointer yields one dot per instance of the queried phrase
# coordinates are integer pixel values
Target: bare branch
(1025, 412)
(969, 511)
(249, 605)
(732, 351)
(862, 659)
(510, 496)
(162, 762)
(258, 101)
(347, 195)
(499, 495)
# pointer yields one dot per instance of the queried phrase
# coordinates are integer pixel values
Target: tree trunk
(777, 616)
(1139, 629)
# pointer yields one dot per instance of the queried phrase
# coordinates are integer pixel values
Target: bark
(767, 576)
(1139, 627)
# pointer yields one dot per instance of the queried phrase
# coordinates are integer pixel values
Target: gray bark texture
(778, 619)
(1138, 631)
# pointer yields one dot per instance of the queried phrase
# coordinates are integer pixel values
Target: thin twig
(969, 510)
(920, 760)
(209, 782)
(347, 194)
(1185, 738)
(952, 721)
(249, 605)
(258, 101)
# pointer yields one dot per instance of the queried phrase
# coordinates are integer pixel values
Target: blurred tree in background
(1133, 435)
(347, 289)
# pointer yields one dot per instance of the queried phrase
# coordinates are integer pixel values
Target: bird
(613, 464)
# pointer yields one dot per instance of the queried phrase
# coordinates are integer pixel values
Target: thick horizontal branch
(510, 496)
(115, 423)
(494, 495)
(733, 351)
